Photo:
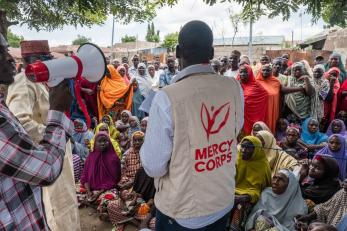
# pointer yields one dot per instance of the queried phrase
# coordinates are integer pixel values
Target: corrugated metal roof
(243, 41)
(318, 37)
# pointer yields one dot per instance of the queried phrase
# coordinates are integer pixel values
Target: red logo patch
(209, 122)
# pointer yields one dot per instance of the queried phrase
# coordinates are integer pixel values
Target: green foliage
(152, 35)
(334, 12)
(13, 39)
(80, 40)
(127, 39)
(54, 14)
(170, 41)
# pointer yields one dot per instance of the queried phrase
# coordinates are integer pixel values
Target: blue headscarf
(312, 138)
(340, 156)
(84, 134)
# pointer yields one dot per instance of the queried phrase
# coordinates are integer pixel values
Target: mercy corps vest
(206, 112)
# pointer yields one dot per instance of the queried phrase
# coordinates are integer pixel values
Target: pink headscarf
(125, 78)
(330, 108)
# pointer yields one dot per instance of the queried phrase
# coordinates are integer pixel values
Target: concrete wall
(337, 41)
(258, 50)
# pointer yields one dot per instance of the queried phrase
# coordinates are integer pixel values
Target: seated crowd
(291, 160)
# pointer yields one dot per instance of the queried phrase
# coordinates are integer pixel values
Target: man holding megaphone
(29, 102)
(26, 166)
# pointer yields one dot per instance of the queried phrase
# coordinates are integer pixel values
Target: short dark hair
(195, 41)
(236, 52)
(319, 58)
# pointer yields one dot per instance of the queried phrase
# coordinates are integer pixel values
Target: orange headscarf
(273, 87)
(330, 107)
(111, 90)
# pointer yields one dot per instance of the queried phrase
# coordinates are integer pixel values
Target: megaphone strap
(78, 89)
(79, 66)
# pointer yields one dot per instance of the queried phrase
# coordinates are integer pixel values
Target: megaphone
(89, 62)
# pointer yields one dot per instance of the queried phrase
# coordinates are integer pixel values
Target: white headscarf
(144, 81)
(282, 208)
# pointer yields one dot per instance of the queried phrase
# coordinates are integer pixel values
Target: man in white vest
(190, 145)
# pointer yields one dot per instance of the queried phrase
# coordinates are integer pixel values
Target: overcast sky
(171, 19)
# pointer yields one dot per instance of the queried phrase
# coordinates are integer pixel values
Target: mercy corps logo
(209, 118)
(216, 155)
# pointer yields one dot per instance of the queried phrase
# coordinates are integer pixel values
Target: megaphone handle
(78, 89)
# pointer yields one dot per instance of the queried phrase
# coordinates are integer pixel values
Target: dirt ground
(91, 222)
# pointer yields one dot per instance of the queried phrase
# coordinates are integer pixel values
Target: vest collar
(193, 69)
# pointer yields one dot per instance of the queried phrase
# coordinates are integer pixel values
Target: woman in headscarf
(273, 88)
(331, 212)
(90, 95)
(123, 72)
(342, 98)
(278, 205)
(136, 204)
(144, 124)
(131, 162)
(255, 98)
(114, 133)
(123, 124)
(323, 180)
(138, 98)
(336, 61)
(114, 93)
(259, 126)
(291, 145)
(143, 80)
(104, 128)
(311, 137)
(278, 159)
(81, 138)
(134, 126)
(321, 86)
(277, 65)
(336, 148)
(337, 126)
(330, 103)
(307, 68)
(102, 170)
(299, 103)
(281, 128)
(253, 175)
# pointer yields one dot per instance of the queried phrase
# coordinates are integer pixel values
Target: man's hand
(60, 97)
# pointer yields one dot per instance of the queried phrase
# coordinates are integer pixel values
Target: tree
(235, 20)
(13, 39)
(151, 35)
(127, 39)
(54, 14)
(170, 41)
(80, 40)
(333, 12)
